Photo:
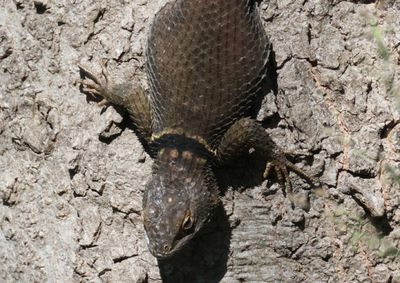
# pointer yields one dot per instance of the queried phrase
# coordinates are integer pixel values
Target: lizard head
(177, 201)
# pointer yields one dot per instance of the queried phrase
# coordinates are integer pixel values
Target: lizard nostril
(167, 248)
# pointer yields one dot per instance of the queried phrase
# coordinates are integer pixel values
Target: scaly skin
(205, 63)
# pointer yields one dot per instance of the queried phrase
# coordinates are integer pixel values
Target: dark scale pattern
(205, 61)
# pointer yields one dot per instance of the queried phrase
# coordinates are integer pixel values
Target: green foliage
(383, 51)
(389, 67)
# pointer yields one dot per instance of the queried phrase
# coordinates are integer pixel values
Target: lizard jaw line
(176, 249)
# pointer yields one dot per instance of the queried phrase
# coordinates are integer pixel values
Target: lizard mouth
(166, 251)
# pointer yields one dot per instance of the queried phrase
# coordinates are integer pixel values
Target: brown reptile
(206, 60)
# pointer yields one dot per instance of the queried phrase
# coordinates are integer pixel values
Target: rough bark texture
(72, 173)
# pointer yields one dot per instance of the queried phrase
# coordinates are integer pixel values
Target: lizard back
(205, 61)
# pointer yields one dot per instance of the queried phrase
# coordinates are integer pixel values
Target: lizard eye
(187, 222)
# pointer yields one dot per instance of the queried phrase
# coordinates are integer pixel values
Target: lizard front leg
(133, 99)
(247, 133)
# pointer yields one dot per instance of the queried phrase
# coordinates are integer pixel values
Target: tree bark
(72, 173)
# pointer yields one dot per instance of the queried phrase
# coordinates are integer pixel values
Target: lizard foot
(282, 166)
(96, 87)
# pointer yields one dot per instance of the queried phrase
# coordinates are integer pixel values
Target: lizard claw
(282, 174)
(95, 87)
(281, 167)
(295, 152)
(104, 71)
(90, 87)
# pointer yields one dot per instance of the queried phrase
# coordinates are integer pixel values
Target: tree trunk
(72, 172)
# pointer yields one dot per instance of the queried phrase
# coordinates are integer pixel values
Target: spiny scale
(205, 60)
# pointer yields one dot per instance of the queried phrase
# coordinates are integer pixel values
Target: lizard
(205, 62)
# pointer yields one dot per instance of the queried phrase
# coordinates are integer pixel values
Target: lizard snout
(162, 251)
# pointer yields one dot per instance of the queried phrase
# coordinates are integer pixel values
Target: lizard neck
(183, 162)
(179, 135)
(178, 147)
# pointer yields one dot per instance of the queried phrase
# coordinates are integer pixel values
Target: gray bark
(72, 173)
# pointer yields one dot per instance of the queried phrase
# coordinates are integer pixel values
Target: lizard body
(206, 60)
